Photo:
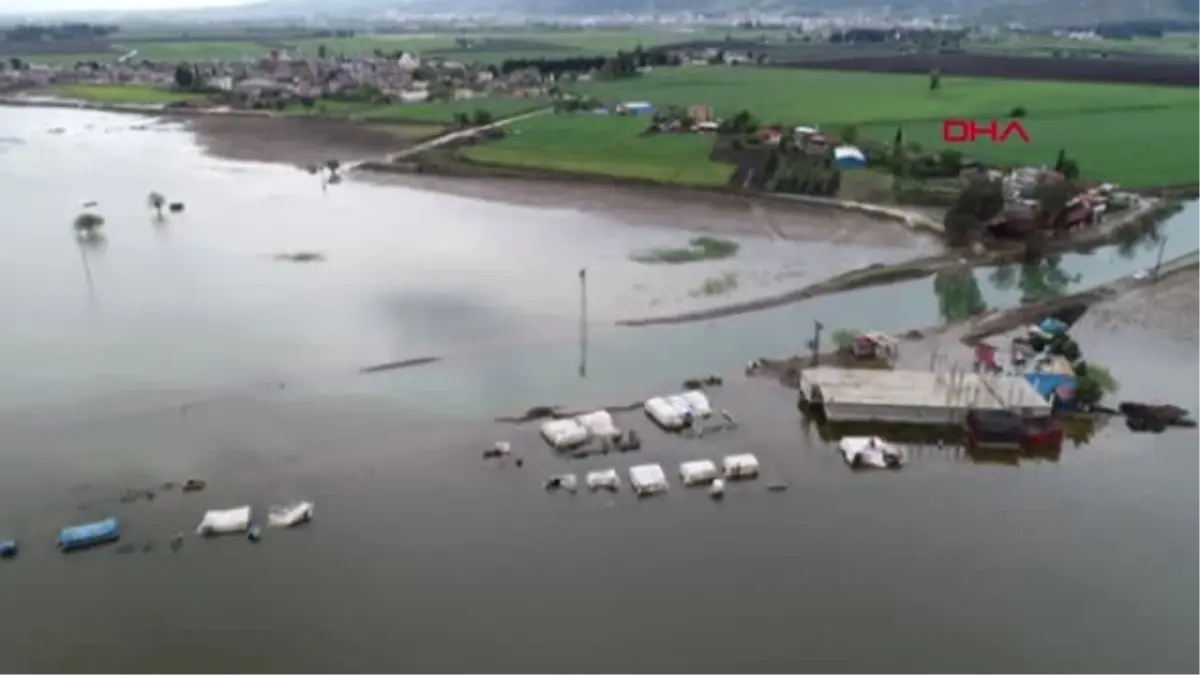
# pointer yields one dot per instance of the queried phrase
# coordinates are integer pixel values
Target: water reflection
(958, 295)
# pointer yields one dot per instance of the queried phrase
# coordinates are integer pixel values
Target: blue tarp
(89, 534)
(8, 548)
(1052, 326)
(1055, 387)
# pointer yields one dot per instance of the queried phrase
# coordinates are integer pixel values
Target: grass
(606, 146)
(1134, 148)
(830, 97)
(1134, 135)
(698, 249)
(432, 113)
(121, 94)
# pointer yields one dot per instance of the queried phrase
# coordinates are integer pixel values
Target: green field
(120, 94)
(488, 47)
(419, 112)
(603, 145)
(1138, 136)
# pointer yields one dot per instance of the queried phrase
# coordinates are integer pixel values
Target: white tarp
(740, 466)
(599, 424)
(226, 521)
(604, 479)
(647, 479)
(697, 472)
(664, 413)
(564, 433)
(870, 451)
(292, 514)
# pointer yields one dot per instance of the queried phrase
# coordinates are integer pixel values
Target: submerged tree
(88, 223)
(156, 201)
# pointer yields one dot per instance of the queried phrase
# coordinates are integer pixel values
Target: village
(280, 78)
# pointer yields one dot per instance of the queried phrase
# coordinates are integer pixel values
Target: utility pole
(1162, 248)
(583, 322)
(815, 343)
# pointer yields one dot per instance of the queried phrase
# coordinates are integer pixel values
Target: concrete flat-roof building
(916, 397)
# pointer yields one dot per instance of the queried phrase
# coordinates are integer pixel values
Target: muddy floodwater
(184, 348)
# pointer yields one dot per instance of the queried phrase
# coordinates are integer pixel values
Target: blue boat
(87, 535)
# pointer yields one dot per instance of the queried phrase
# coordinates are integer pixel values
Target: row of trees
(61, 32)
(623, 64)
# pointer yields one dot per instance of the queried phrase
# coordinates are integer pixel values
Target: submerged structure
(913, 397)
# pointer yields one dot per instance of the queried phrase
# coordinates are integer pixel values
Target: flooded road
(422, 557)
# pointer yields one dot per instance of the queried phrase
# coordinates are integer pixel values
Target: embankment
(445, 162)
(1148, 211)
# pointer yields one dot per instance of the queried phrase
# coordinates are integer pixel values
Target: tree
(1062, 157)
(462, 120)
(979, 200)
(1092, 382)
(185, 76)
(333, 166)
(849, 134)
(843, 338)
(1070, 169)
(88, 223)
(951, 162)
(482, 117)
(322, 52)
(1044, 280)
(156, 201)
(935, 79)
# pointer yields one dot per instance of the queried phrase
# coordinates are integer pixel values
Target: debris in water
(290, 515)
(301, 256)
(176, 207)
(148, 547)
(717, 489)
(777, 487)
(130, 496)
(566, 481)
(194, 485)
(176, 541)
(88, 534)
(91, 204)
(9, 548)
(498, 449)
(519, 463)
(126, 549)
(254, 533)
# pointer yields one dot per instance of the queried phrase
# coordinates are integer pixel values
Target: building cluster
(1019, 215)
(278, 76)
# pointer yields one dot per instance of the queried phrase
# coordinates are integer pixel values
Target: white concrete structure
(915, 397)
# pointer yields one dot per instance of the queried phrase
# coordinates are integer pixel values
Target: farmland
(1136, 135)
(606, 146)
(484, 47)
(121, 94)
(419, 112)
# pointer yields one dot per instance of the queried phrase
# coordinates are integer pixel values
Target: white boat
(871, 451)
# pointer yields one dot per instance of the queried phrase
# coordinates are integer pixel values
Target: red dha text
(969, 131)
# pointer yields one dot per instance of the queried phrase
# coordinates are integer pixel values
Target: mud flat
(301, 140)
(695, 210)
(1170, 306)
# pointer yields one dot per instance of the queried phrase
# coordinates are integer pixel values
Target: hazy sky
(39, 6)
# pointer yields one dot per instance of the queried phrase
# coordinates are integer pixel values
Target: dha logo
(969, 131)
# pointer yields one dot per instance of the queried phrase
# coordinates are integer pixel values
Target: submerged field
(1137, 135)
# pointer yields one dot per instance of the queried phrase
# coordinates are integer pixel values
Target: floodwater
(425, 558)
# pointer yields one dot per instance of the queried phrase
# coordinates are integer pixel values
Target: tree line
(58, 32)
(623, 64)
